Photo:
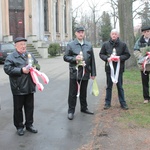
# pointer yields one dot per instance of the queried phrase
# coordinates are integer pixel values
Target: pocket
(14, 84)
(72, 70)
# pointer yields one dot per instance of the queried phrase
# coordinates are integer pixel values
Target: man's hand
(25, 70)
(148, 54)
(79, 58)
(92, 77)
(109, 59)
(114, 58)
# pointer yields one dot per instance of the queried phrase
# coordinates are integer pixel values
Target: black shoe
(125, 107)
(20, 131)
(70, 116)
(87, 112)
(107, 106)
(32, 129)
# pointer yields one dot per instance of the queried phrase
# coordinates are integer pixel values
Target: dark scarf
(143, 43)
(114, 43)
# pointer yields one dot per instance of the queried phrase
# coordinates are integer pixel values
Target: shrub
(54, 49)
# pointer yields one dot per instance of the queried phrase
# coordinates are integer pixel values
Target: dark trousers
(26, 102)
(145, 85)
(119, 88)
(72, 98)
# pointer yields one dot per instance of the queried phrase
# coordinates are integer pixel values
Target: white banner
(114, 75)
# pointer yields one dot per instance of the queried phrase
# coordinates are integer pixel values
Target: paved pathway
(56, 132)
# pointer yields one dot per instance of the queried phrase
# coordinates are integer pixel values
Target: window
(16, 4)
(46, 24)
(65, 17)
(57, 17)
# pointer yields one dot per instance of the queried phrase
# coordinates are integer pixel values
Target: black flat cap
(18, 39)
(144, 28)
(79, 29)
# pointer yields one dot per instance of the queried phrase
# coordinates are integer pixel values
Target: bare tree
(125, 17)
(145, 14)
(93, 6)
(126, 27)
(75, 13)
(125, 12)
(114, 13)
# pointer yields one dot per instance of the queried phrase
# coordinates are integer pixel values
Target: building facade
(36, 20)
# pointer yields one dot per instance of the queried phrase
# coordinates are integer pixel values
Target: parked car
(5, 50)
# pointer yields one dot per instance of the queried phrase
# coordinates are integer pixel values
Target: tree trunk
(126, 27)
(94, 25)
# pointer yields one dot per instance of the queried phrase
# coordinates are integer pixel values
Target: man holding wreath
(142, 54)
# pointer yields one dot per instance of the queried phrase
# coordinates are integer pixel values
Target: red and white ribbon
(34, 74)
(79, 83)
(83, 72)
(147, 58)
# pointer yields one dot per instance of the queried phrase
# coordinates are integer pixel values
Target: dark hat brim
(19, 39)
(145, 28)
(79, 29)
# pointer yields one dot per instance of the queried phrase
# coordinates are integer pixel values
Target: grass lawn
(138, 113)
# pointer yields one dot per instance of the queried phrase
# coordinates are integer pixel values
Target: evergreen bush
(54, 49)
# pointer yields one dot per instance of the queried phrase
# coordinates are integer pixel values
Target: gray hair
(114, 30)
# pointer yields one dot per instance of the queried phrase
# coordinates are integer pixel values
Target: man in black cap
(22, 86)
(79, 54)
(141, 47)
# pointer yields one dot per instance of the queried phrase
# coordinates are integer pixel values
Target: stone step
(31, 49)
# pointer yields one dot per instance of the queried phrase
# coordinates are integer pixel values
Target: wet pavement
(55, 131)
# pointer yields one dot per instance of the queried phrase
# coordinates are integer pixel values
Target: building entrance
(16, 18)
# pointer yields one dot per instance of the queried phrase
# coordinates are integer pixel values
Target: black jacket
(121, 50)
(20, 83)
(140, 43)
(73, 49)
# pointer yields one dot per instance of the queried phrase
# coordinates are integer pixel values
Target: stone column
(63, 22)
(54, 21)
(69, 21)
(1, 33)
(4, 17)
(35, 18)
(41, 20)
(38, 19)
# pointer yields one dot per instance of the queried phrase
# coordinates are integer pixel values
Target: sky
(75, 4)
(102, 6)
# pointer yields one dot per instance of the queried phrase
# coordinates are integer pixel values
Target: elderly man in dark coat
(80, 55)
(22, 86)
(114, 52)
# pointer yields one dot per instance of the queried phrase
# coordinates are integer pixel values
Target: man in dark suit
(79, 54)
(114, 52)
(22, 86)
